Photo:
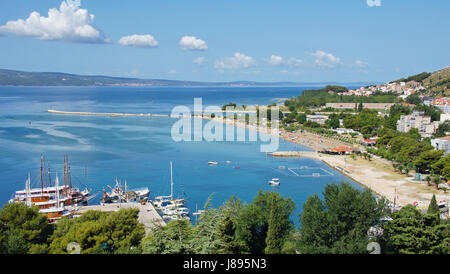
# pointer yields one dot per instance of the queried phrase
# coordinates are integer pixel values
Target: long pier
(148, 215)
(111, 114)
(286, 153)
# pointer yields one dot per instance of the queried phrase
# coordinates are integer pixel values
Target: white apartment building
(317, 118)
(417, 120)
(442, 143)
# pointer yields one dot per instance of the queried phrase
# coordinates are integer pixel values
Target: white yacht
(275, 182)
(212, 163)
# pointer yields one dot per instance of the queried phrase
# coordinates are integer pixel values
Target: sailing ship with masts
(55, 201)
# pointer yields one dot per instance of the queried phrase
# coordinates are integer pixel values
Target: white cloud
(280, 61)
(325, 60)
(238, 61)
(192, 43)
(172, 71)
(374, 3)
(361, 64)
(275, 60)
(199, 60)
(70, 23)
(295, 62)
(140, 41)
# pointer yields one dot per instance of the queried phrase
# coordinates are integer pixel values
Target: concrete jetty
(148, 215)
(111, 114)
(286, 153)
(308, 154)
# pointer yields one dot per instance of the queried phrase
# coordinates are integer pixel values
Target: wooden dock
(148, 215)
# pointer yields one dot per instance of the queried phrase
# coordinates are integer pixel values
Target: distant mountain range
(22, 78)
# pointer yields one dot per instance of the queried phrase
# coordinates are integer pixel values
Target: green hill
(436, 83)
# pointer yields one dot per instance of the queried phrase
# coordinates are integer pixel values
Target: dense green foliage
(339, 223)
(433, 208)
(274, 242)
(405, 148)
(432, 111)
(367, 121)
(414, 99)
(253, 220)
(442, 130)
(427, 159)
(418, 77)
(99, 232)
(442, 167)
(233, 228)
(23, 229)
(411, 232)
(333, 121)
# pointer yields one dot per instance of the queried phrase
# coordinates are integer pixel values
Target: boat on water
(275, 182)
(53, 208)
(42, 196)
(213, 163)
(58, 210)
(170, 208)
(121, 194)
(53, 201)
(161, 202)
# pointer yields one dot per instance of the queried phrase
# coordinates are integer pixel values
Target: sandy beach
(375, 174)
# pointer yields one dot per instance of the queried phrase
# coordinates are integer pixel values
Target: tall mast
(171, 181)
(27, 190)
(57, 190)
(42, 181)
(65, 171)
(49, 177)
(45, 174)
(69, 177)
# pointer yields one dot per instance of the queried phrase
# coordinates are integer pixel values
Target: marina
(139, 151)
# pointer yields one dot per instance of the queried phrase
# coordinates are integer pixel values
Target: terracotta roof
(342, 149)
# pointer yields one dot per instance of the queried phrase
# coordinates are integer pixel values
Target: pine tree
(433, 208)
(360, 107)
(274, 237)
(227, 235)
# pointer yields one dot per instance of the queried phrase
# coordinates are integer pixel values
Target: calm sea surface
(139, 149)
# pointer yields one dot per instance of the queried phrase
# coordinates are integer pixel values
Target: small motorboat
(274, 182)
(212, 163)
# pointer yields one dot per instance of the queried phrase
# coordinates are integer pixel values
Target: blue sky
(302, 41)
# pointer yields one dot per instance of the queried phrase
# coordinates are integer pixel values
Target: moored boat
(275, 181)
(120, 194)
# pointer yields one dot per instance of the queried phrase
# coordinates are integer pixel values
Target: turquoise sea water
(139, 149)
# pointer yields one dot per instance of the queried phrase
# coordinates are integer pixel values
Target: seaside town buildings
(443, 103)
(442, 143)
(403, 88)
(318, 118)
(384, 106)
(417, 120)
